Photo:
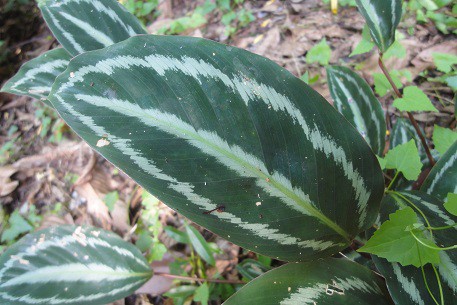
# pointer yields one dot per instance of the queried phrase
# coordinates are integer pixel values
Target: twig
(188, 278)
(410, 116)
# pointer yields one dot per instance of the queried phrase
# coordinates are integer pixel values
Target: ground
(51, 177)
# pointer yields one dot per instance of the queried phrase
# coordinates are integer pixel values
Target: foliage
(239, 145)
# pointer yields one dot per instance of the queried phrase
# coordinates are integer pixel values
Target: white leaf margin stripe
(49, 67)
(311, 295)
(248, 90)
(64, 241)
(449, 164)
(82, 298)
(101, 8)
(408, 285)
(359, 118)
(186, 189)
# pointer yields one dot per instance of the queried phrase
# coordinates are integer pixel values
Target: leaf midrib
(254, 170)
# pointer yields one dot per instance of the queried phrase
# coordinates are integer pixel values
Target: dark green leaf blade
(329, 281)
(406, 284)
(205, 125)
(382, 18)
(85, 25)
(71, 265)
(355, 100)
(442, 179)
(35, 77)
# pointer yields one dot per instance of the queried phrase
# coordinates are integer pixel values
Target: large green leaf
(85, 25)
(355, 100)
(382, 18)
(442, 179)
(203, 125)
(327, 282)
(35, 77)
(406, 284)
(71, 265)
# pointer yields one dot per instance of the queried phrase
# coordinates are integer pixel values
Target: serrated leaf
(319, 53)
(451, 204)
(365, 45)
(329, 281)
(85, 25)
(354, 99)
(394, 241)
(35, 77)
(443, 138)
(200, 245)
(382, 18)
(395, 50)
(442, 179)
(382, 85)
(405, 158)
(215, 125)
(414, 100)
(70, 265)
(406, 284)
(444, 61)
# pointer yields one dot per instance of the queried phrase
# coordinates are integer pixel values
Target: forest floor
(48, 176)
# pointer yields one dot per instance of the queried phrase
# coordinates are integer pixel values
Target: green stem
(439, 284)
(393, 180)
(431, 247)
(424, 277)
(442, 228)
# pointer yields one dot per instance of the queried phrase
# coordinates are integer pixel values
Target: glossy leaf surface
(202, 125)
(329, 281)
(85, 25)
(35, 77)
(71, 265)
(406, 284)
(354, 99)
(442, 179)
(382, 18)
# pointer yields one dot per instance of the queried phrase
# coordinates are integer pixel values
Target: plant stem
(439, 284)
(442, 228)
(188, 278)
(431, 247)
(393, 180)
(410, 116)
(425, 278)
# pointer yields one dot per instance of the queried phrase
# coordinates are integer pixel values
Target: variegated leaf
(70, 265)
(204, 126)
(353, 97)
(35, 77)
(406, 284)
(85, 25)
(382, 17)
(329, 281)
(442, 179)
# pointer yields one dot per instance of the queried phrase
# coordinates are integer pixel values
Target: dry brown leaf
(95, 206)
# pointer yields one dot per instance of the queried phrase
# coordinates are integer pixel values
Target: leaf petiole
(431, 247)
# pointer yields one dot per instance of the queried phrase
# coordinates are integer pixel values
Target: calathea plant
(200, 125)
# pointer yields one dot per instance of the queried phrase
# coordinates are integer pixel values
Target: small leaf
(157, 253)
(414, 100)
(394, 242)
(451, 204)
(17, 226)
(443, 138)
(382, 18)
(202, 294)
(444, 62)
(365, 45)
(250, 268)
(405, 158)
(382, 85)
(179, 236)
(200, 245)
(71, 265)
(110, 200)
(320, 53)
(452, 82)
(395, 50)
